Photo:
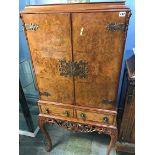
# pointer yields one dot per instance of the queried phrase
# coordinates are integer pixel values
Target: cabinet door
(102, 49)
(49, 41)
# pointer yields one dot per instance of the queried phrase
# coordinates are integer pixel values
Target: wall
(130, 42)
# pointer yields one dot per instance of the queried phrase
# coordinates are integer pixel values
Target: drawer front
(105, 118)
(56, 110)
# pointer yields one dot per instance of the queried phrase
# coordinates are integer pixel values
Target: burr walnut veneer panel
(48, 44)
(103, 50)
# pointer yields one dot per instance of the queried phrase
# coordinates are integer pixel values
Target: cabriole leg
(41, 123)
(113, 140)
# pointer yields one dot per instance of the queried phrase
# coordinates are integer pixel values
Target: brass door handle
(46, 111)
(66, 113)
(82, 115)
(105, 120)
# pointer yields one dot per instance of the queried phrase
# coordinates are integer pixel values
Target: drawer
(105, 118)
(56, 110)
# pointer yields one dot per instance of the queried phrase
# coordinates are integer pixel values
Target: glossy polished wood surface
(49, 44)
(103, 50)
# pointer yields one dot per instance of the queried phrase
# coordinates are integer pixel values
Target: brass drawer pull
(66, 113)
(46, 111)
(105, 120)
(82, 115)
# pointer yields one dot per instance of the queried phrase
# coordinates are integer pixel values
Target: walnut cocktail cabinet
(76, 52)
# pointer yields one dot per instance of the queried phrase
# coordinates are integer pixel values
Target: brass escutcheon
(70, 68)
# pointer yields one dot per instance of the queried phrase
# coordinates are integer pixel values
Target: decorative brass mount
(107, 101)
(78, 69)
(31, 26)
(116, 27)
(45, 93)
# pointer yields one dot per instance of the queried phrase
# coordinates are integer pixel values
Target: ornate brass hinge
(116, 27)
(70, 68)
(31, 26)
(45, 93)
(107, 101)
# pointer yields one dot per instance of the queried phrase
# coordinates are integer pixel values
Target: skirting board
(30, 134)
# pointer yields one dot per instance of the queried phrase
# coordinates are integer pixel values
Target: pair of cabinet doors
(76, 59)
